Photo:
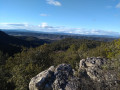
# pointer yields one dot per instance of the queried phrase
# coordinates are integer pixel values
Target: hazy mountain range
(19, 31)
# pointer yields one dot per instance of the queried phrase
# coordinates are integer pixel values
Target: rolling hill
(10, 44)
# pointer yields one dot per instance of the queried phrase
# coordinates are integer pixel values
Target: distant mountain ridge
(59, 33)
(59, 36)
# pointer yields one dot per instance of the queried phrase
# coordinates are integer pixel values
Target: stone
(73, 84)
(42, 80)
(82, 63)
(62, 73)
(92, 66)
(63, 77)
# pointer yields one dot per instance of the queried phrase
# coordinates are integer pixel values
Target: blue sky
(99, 17)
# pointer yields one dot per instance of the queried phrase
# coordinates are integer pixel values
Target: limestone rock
(43, 80)
(60, 78)
(92, 66)
(62, 73)
(63, 77)
(73, 84)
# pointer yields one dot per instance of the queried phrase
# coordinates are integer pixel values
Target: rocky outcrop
(62, 77)
(43, 80)
(62, 74)
(92, 66)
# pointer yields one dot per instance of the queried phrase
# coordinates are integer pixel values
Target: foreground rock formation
(43, 80)
(58, 79)
(62, 77)
(92, 66)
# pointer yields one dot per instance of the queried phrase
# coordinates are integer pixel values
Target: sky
(92, 17)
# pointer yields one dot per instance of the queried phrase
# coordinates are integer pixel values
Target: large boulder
(60, 78)
(92, 62)
(62, 73)
(43, 80)
(92, 66)
(64, 78)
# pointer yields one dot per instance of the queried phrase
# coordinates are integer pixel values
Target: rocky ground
(89, 76)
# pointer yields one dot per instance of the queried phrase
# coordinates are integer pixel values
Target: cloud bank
(44, 27)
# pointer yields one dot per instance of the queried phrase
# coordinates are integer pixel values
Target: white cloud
(54, 2)
(44, 27)
(118, 5)
(43, 14)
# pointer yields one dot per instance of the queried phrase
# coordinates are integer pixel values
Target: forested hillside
(16, 71)
(11, 45)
